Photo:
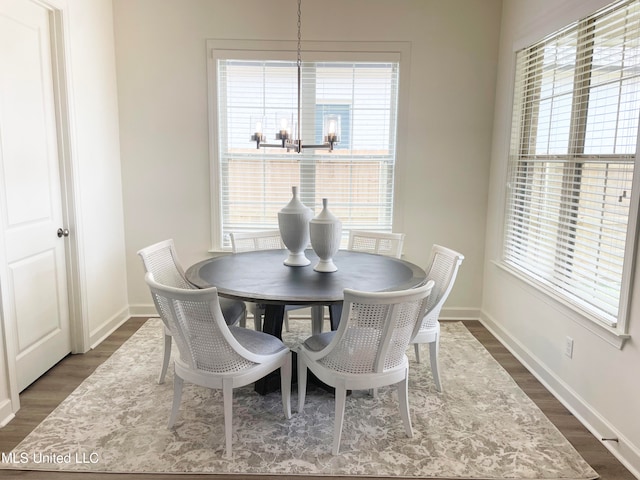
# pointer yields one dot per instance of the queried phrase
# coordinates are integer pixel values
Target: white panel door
(34, 289)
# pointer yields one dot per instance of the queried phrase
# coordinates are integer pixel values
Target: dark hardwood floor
(43, 396)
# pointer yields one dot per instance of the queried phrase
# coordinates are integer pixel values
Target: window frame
(286, 51)
(617, 334)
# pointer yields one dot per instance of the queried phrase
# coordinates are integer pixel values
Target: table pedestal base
(273, 320)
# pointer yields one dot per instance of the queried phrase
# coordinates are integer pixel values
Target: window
(251, 185)
(572, 154)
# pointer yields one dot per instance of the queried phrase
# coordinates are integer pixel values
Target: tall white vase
(293, 221)
(326, 232)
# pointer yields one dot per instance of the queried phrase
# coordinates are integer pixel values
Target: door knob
(63, 233)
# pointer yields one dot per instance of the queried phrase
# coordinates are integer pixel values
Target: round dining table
(262, 277)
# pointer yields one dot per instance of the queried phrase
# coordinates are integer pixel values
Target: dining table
(261, 276)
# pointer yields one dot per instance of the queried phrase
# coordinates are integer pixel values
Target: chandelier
(331, 123)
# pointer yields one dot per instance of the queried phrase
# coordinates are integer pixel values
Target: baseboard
(623, 450)
(6, 412)
(108, 327)
(445, 314)
(143, 310)
(459, 314)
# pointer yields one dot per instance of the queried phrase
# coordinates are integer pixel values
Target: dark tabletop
(262, 277)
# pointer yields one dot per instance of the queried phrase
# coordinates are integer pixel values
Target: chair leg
(243, 320)
(317, 317)
(227, 398)
(166, 356)
(257, 318)
(416, 347)
(302, 382)
(285, 385)
(340, 399)
(434, 348)
(286, 321)
(177, 396)
(403, 404)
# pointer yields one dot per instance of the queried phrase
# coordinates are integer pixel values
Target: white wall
(97, 158)
(600, 383)
(442, 179)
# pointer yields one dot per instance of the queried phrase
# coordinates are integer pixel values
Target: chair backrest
(443, 269)
(382, 243)
(250, 241)
(195, 320)
(375, 330)
(161, 259)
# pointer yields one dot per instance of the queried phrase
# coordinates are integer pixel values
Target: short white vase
(293, 221)
(326, 232)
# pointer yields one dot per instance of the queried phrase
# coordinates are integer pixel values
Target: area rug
(482, 426)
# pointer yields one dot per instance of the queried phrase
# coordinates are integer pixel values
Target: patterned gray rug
(482, 426)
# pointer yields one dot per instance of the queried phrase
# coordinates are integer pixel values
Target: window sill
(609, 334)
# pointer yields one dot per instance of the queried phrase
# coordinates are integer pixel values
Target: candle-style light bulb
(257, 135)
(331, 130)
(283, 133)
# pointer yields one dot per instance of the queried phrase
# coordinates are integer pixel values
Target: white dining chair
(161, 259)
(215, 355)
(381, 243)
(367, 351)
(442, 270)
(269, 240)
(259, 240)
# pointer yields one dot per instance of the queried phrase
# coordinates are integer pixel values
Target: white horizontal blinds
(574, 133)
(357, 176)
(253, 186)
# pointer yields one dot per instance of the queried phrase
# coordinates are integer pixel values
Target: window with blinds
(357, 176)
(572, 154)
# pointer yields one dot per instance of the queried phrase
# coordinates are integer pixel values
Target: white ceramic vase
(293, 221)
(326, 232)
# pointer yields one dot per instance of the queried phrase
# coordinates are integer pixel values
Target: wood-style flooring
(38, 400)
